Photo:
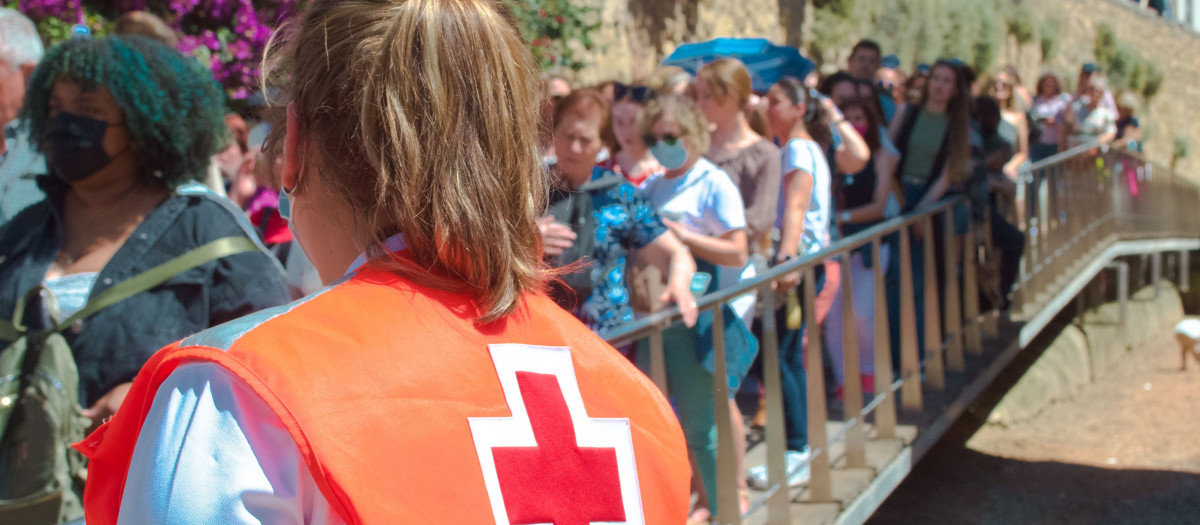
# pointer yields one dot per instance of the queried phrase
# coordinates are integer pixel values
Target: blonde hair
(685, 112)
(729, 78)
(423, 116)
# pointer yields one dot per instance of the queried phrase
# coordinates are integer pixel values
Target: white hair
(19, 40)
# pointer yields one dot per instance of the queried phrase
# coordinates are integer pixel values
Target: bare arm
(799, 186)
(894, 128)
(726, 250)
(853, 154)
(668, 252)
(1022, 145)
(885, 167)
(937, 190)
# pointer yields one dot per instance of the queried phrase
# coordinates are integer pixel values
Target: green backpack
(41, 476)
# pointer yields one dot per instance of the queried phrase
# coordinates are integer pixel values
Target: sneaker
(797, 467)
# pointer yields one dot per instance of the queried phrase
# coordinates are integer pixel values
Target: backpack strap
(160, 274)
(12, 330)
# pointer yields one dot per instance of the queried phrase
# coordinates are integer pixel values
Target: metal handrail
(638, 329)
(1073, 205)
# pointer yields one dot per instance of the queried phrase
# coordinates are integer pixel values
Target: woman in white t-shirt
(801, 123)
(703, 208)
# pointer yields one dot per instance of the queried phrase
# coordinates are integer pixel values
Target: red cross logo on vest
(550, 462)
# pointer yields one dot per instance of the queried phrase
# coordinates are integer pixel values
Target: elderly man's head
(20, 51)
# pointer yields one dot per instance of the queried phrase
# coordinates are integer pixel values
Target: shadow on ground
(959, 485)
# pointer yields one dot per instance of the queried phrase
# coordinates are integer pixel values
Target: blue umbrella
(767, 62)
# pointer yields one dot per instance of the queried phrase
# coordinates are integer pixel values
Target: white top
(1189, 327)
(212, 452)
(71, 291)
(801, 154)
(705, 200)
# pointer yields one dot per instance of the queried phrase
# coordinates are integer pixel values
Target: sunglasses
(650, 139)
(639, 94)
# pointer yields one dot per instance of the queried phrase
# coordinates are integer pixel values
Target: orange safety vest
(407, 411)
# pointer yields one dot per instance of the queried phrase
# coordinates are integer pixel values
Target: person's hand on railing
(556, 238)
(682, 296)
(786, 282)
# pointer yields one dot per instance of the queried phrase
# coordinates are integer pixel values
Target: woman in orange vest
(430, 381)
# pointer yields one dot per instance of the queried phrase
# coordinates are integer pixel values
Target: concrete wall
(1083, 353)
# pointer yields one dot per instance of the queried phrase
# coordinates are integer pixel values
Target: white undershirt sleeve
(212, 452)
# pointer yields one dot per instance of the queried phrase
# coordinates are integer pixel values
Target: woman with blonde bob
(430, 381)
(702, 207)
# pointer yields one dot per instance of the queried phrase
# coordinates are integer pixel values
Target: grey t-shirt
(755, 171)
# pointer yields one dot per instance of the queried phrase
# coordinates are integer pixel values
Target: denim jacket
(112, 346)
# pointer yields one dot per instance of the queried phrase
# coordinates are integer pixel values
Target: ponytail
(816, 117)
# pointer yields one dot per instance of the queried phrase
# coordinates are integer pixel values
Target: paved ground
(1123, 451)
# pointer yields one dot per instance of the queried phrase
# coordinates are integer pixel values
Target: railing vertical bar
(1156, 265)
(973, 340)
(953, 302)
(935, 369)
(885, 413)
(1185, 273)
(820, 484)
(658, 362)
(910, 361)
(728, 509)
(778, 506)
(991, 321)
(852, 392)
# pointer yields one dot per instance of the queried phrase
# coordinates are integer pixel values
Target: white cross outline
(516, 431)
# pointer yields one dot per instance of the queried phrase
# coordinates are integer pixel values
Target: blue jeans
(1039, 151)
(791, 371)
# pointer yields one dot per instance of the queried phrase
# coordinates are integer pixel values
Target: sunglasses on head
(637, 94)
(650, 139)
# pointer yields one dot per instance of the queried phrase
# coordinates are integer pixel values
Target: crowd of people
(119, 156)
(741, 181)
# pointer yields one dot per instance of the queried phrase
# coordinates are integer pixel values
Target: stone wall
(1175, 111)
(637, 34)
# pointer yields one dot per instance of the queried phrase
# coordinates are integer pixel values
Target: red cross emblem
(550, 462)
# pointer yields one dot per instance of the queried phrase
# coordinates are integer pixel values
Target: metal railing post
(935, 369)
(1185, 274)
(728, 511)
(1122, 268)
(991, 321)
(1156, 264)
(852, 394)
(885, 413)
(955, 361)
(974, 338)
(820, 485)
(778, 506)
(910, 361)
(658, 362)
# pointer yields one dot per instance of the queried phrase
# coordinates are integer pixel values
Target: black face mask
(74, 147)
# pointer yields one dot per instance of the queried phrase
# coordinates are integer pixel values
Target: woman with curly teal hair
(127, 126)
(173, 108)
